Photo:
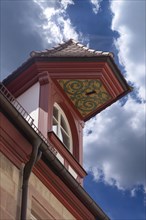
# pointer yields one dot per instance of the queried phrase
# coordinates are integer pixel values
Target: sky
(114, 140)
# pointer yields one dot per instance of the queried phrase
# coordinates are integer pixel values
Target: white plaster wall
(30, 101)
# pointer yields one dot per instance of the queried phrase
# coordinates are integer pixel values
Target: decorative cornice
(43, 77)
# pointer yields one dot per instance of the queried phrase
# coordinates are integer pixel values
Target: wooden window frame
(60, 129)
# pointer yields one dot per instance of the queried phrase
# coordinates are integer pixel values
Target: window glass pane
(65, 139)
(55, 126)
(63, 124)
(55, 113)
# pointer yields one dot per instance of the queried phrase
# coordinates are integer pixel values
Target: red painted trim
(43, 102)
(108, 87)
(61, 70)
(44, 78)
(113, 78)
(66, 154)
(13, 145)
(9, 154)
(76, 129)
(69, 68)
(24, 81)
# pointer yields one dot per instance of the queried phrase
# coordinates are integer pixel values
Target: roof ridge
(70, 48)
(54, 48)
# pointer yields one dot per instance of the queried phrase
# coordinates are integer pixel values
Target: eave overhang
(90, 84)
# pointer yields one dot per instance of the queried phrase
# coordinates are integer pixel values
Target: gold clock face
(87, 95)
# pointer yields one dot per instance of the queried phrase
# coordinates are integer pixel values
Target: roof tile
(71, 48)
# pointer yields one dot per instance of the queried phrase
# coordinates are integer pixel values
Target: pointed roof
(90, 80)
(71, 48)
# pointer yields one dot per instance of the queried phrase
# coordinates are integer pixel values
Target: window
(61, 127)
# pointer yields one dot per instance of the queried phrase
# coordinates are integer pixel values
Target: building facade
(44, 105)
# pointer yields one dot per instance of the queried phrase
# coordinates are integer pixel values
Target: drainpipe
(34, 157)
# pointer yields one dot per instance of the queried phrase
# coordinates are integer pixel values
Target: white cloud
(65, 3)
(114, 151)
(114, 141)
(129, 21)
(96, 5)
(56, 26)
(133, 192)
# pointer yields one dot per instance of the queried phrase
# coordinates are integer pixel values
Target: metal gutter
(35, 137)
(34, 157)
(74, 185)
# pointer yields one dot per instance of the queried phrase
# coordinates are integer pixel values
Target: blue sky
(114, 140)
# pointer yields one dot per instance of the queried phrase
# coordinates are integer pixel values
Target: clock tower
(62, 88)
